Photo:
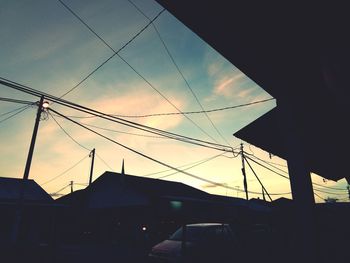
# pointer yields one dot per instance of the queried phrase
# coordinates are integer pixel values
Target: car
(201, 242)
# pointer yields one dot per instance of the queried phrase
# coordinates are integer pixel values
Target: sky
(44, 46)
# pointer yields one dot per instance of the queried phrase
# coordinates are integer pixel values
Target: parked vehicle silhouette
(204, 242)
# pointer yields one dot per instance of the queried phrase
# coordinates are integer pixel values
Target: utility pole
(92, 154)
(19, 211)
(263, 193)
(32, 143)
(71, 186)
(244, 174)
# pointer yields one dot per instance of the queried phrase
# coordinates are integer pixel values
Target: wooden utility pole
(244, 174)
(71, 186)
(92, 154)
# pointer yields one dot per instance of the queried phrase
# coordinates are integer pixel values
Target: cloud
(228, 85)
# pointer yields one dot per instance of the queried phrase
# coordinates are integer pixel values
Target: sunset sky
(45, 47)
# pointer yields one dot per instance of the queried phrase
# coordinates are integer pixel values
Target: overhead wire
(128, 133)
(178, 113)
(155, 160)
(263, 187)
(192, 166)
(105, 116)
(287, 177)
(11, 111)
(180, 72)
(16, 101)
(78, 143)
(319, 196)
(102, 160)
(64, 172)
(282, 175)
(179, 167)
(116, 52)
(75, 141)
(34, 92)
(55, 193)
(18, 111)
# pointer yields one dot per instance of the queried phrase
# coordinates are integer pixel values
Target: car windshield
(193, 233)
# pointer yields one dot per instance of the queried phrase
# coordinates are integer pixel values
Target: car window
(193, 233)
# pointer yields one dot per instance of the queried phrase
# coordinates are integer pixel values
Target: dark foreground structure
(119, 218)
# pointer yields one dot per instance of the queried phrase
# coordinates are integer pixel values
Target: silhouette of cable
(287, 177)
(11, 111)
(279, 169)
(129, 133)
(178, 139)
(126, 62)
(263, 187)
(180, 72)
(114, 51)
(16, 101)
(75, 141)
(192, 166)
(64, 172)
(319, 196)
(177, 113)
(328, 187)
(327, 192)
(99, 157)
(105, 116)
(18, 111)
(55, 193)
(179, 167)
(155, 160)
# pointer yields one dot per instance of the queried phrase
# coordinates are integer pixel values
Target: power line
(182, 138)
(75, 141)
(251, 168)
(64, 172)
(319, 196)
(192, 166)
(105, 116)
(189, 164)
(286, 177)
(269, 163)
(180, 72)
(179, 113)
(155, 160)
(11, 111)
(99, 157)
(16, 101)
(55, 193)
(18, 111)
(129, 133)
(126, 62)
(114, 51)
(331, 193)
